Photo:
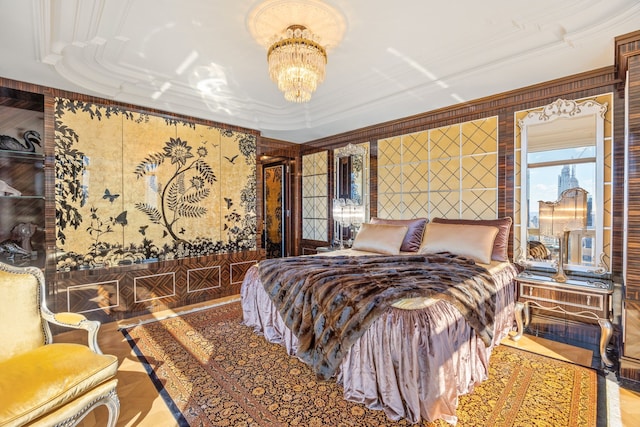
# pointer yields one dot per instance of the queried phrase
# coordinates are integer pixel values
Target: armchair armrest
(76, 321)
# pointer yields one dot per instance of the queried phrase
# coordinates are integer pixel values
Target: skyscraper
(567, 179)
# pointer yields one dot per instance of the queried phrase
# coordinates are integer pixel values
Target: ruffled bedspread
(412, 364)
(328, 302)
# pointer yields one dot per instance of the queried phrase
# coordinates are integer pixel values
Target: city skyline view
(543, 181)
(548, 183)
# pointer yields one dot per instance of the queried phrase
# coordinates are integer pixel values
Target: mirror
(562, 148)
(351, 189)
(350, 168)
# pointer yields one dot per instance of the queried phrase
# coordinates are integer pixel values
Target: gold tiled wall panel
(315, 215)
(447, 172)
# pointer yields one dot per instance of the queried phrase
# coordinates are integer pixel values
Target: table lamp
(559, 218)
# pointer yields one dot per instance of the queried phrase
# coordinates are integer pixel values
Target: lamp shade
(340, 212)
(357, 217)
(348, 212)
(567, 214)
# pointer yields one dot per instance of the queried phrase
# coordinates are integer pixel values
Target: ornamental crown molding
(563, 108)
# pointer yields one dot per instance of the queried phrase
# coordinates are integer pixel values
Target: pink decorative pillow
(500, 245)
(413, 238)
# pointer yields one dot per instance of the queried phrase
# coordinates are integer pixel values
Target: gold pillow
(501, 244)
(471, 241)
(380, 238)
(413, 239)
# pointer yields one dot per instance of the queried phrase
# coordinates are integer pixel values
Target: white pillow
(380, 238)
(471, 241)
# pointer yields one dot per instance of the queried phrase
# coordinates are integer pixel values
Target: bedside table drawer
(572, 301)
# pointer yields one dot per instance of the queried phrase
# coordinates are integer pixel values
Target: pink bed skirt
(411, 364)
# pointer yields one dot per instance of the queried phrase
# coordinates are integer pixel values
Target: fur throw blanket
(329, 302)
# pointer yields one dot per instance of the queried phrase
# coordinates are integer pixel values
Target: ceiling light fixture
(295, 57)
(297, 63)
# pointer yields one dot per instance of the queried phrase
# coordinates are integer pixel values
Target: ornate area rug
(213, 371)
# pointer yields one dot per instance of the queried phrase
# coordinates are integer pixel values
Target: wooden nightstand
(582, 300)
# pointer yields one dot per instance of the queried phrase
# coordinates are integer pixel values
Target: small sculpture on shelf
(22, 233)
(19, 245)
(31, 138)
(10, 249)
(7, 190)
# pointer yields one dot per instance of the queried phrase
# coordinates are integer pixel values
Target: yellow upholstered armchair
(44, 383)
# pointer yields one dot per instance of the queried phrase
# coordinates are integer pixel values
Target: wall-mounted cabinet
(22, 195)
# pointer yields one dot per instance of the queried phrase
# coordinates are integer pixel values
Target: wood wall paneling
(628, 62)
(123, 292)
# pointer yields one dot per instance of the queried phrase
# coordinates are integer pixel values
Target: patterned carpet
(213, 371)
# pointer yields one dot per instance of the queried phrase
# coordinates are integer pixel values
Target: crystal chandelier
(297, 63)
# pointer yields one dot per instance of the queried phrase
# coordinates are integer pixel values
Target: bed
(418, 353)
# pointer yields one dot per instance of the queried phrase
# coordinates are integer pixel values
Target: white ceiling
(396, 59)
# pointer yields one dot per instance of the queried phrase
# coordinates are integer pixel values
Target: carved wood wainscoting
(123, 292)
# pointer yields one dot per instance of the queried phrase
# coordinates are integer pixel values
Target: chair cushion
(39, 381)
(79, 406)
(22, 329)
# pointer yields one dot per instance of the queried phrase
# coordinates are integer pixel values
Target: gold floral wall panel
(133, 187)
(447, 172)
